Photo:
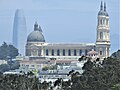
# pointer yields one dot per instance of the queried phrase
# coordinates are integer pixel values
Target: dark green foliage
(58, 82)
(21, 82)
(4, 67)
(10, 66)
(97, 77)
(66, 85)
(116, 87)
(88, 65)
(13, 52)
(8, 51)
(4, 51)
(116, 55)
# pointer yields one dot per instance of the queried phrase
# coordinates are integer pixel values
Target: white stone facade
(58, 50)
(103, 33)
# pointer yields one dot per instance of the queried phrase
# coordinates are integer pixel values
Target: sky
(62, 21)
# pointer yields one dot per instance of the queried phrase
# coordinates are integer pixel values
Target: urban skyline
(56, 21)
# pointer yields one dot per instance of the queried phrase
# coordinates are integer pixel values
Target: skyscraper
(19, 31)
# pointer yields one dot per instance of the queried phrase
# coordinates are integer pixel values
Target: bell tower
(103, 33)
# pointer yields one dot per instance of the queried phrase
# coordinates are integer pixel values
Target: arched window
(100, 52)
(101, 35)
(52, 52)
(101, 21)
(69, 52)
(75, 52)
(58, 52)
(47, 52)
(63, 52)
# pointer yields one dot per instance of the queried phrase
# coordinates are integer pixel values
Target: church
(37, 47)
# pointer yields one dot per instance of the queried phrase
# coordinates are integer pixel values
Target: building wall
(3, 62)
(58, 49)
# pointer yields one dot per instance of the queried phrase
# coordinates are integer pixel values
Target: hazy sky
(62, 21)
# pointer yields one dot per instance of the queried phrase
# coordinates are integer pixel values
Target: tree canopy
(8, 51)
(95, 77)
(116, 55)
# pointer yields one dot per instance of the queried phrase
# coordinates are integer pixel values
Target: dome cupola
(36, 35)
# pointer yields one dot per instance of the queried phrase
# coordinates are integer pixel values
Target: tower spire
(104, 6)
(101, 6)
(103, 33)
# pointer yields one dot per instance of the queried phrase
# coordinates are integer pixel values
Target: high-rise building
(19, 31)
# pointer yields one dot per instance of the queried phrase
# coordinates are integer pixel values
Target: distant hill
(116, 55)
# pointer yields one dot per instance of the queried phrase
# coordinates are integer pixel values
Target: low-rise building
(3, 62)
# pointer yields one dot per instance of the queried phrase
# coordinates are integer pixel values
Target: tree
(10, 66)
(94, 77)
(116, 87)
(116, 55)
(8, 51)
(4, 51)
(88, 65)
(4, 67)
(13, 52)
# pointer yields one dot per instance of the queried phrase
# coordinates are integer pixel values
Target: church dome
(36, 35)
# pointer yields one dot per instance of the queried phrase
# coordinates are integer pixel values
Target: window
(27, 65)
(100, 52)
(47, 52)
(80, 52)
(63, 52)
(69, 52)
(75, 52)
(101, 21)
(85, 52)
(101, 35)
(52, 52)
(32, 65)
(58, 52)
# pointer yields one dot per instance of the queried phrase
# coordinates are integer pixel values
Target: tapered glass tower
(19, 31)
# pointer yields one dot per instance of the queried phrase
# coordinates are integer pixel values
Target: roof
(36, 35)
(92, 52)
